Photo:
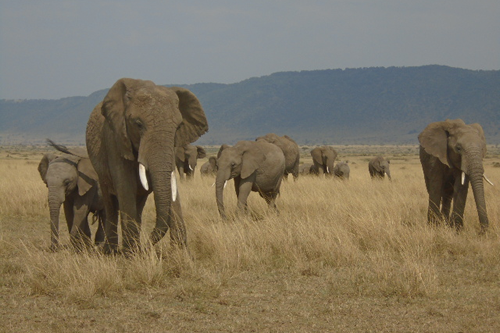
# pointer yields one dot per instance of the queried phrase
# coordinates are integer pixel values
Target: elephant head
(379, 167)
(72, 181)
(186, 159)
(323, 158)
(209, 167)
(452, 155)
(131, 139)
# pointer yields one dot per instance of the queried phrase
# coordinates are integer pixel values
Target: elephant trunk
(220, 183)
(55, 200)
(160, 167)
(475, 174)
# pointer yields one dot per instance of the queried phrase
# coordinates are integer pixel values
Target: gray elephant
(305, 169)
(451, 154)
(186, 159)
(342, 170)
(323, 159)
(255, 166)
(379, 167)
(130, 140)
(209, 168)
(290, 150)
(72, 182)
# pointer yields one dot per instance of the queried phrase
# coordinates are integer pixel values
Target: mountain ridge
(375, 105)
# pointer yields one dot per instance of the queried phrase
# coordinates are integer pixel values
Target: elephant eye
(458, 148)
(139, 123)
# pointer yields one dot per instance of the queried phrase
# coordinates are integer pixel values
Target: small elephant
(451, 154)
(256, 166)
(209, 168)
(305, 169)
(290, 150)
(131, 137)
(342, 170)
(379, 167)
(72, 181)
(323, 159)
(186, 159)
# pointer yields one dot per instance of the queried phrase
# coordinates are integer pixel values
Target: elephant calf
(342, 170)
(72, 182)
(256, 166)
(379, 167)
(209, 168)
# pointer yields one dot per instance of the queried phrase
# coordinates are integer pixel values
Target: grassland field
(341, 256)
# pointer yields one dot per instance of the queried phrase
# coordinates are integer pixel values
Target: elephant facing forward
(342, 170)
(379, 167)
(72, 182)
(255, 166)
(290, 150)
(130, 140)
(323, 158)
(451, 154)
(186, 159)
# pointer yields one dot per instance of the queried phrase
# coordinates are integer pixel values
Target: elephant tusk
(327, 170)
(190, 168)
(225, 183)
(486, 178)
(173, 182)
(142, 176)
(463, 177)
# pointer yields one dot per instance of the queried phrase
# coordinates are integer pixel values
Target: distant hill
(351, 106)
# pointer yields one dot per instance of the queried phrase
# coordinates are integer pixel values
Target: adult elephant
(342, 170)
(290, 150)
(209, 168)
(451, 154)
(255, 166)
(323, 159)
(378, 167)
(186, 159)
(72, 182)
(130, 139)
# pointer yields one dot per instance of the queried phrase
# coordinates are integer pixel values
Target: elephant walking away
(342, 170)
(209, 168)
(451, 154)
(130, 140)
(323, 159)
(72, 182)
(290, 150)
(256, 166)
(186, 159)
(379, 167)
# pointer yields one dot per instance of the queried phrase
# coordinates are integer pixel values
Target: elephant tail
(98, 217)
(66, 150)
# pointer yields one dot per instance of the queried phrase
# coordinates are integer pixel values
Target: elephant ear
(250, 162)
(317, 155)
(224, 146)
(180, 153)
(480, 131)
(194, 122)
(43, 166)
(201, 152)
(434, 140)
(113, 109)
(87, 177)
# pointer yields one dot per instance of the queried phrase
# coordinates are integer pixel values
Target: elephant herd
(141, 132)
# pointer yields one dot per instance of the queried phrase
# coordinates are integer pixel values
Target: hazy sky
(54, 48)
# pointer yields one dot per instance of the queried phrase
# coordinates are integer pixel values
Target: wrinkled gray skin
(72, 182)
(379, 167)
(448, 150)
(133, 129)
(255, 166)
(305, 169)
(290, 150)
(342, 170)
(323, 159)
(186, 159)
(209, 168)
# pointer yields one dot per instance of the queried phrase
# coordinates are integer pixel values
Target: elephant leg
(459, 200)
(178, 235)
(100, 234)
(129, 221)
(244, 189)
(80, 232)
(270, 198)
(447, 197)
(110, 222)
(433, 212)
(68, 212)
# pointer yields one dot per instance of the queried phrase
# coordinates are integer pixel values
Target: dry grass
(340, 256)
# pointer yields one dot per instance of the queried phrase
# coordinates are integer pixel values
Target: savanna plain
(341, 256)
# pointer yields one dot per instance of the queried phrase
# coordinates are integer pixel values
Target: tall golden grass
(364, 238)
